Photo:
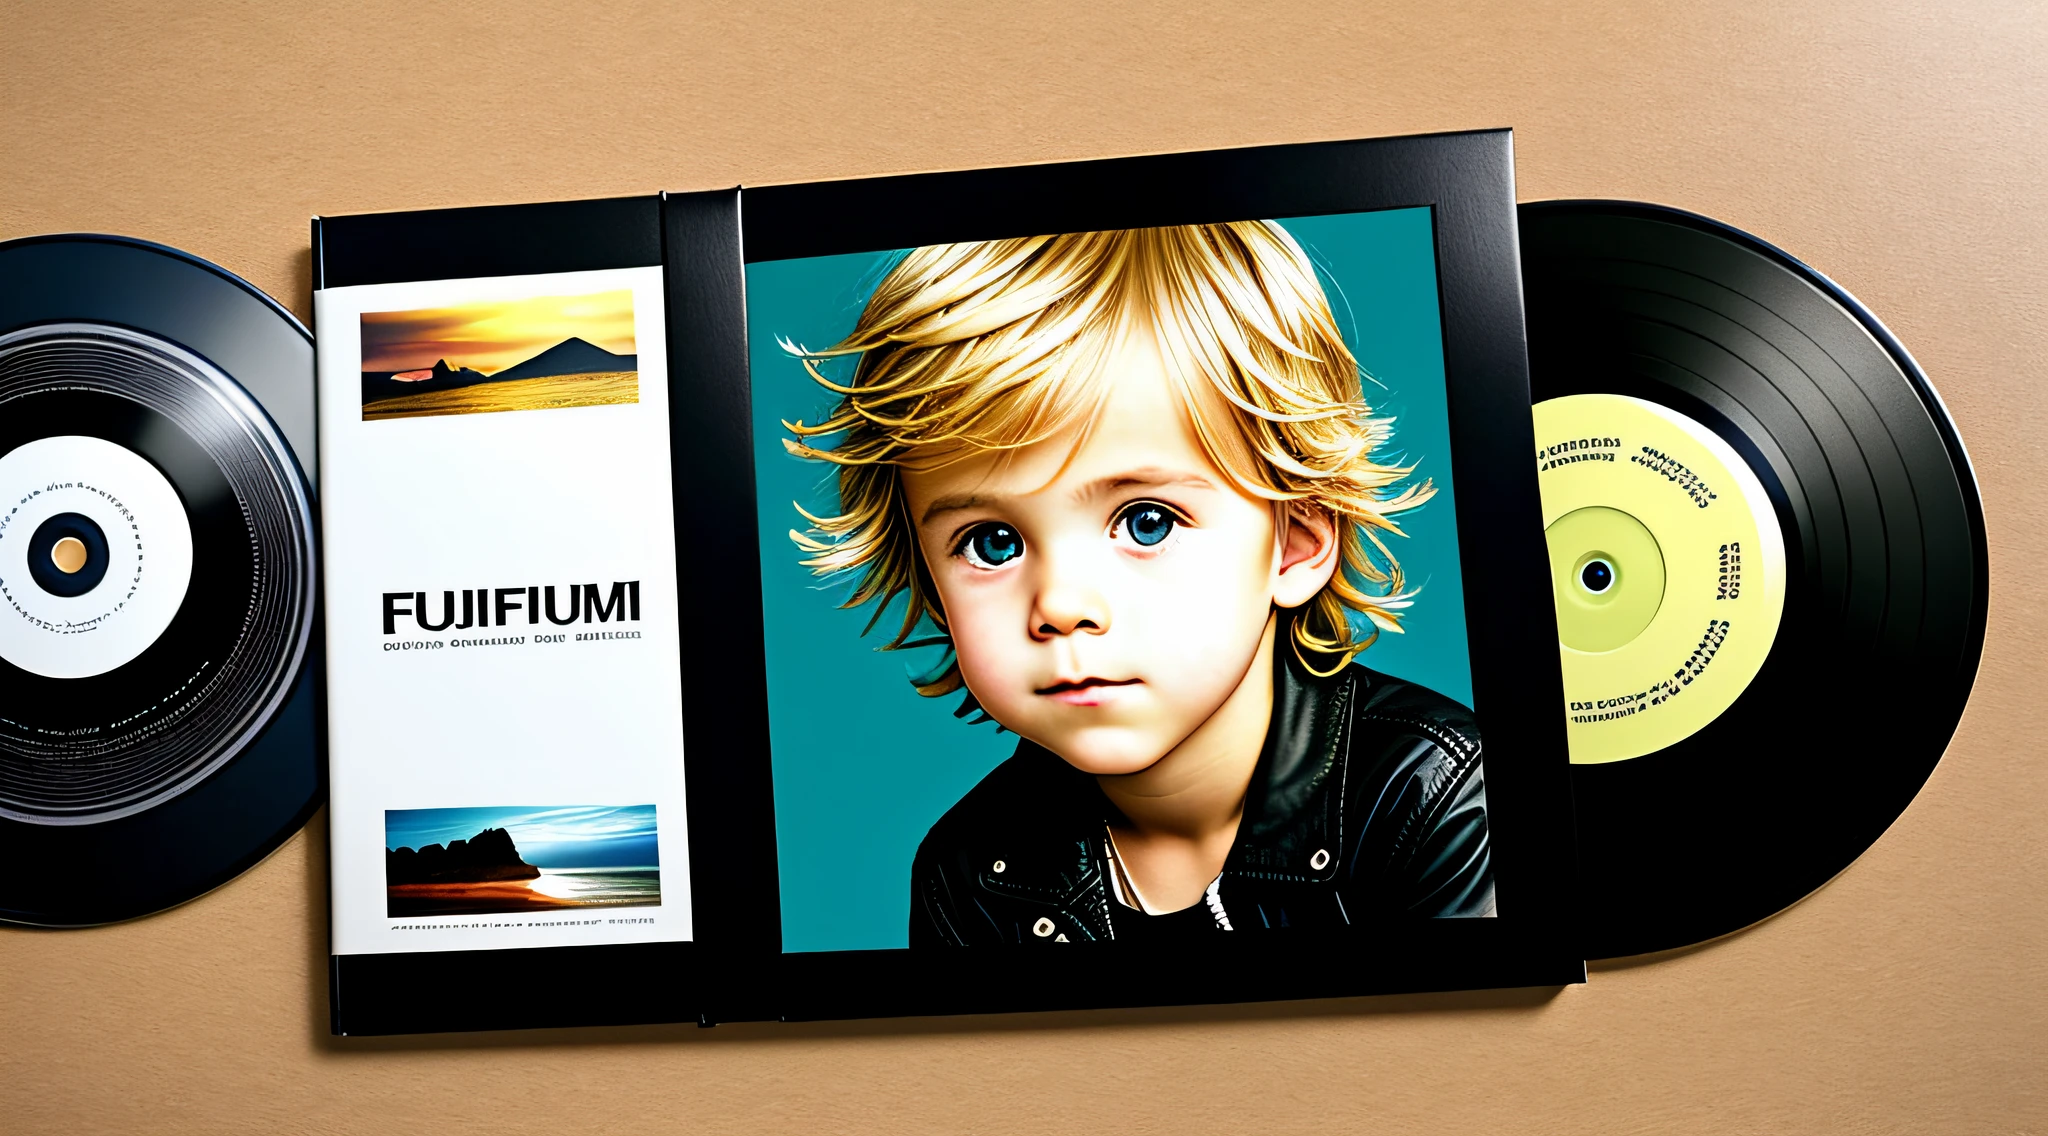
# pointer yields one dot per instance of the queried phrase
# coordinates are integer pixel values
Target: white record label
(148, 550)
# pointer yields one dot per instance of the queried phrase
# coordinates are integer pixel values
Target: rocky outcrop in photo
(487, 856)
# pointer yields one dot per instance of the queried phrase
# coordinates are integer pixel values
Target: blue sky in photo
(574, 836)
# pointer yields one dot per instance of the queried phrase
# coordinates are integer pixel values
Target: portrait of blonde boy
(1131, 482)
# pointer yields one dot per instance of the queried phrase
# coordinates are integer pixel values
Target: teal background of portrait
(862, 764)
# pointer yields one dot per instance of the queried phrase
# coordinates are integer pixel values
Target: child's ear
(1309, 553)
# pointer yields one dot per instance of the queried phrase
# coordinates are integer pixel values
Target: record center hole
(68, 555)
(1607, 574)
(1597, 576)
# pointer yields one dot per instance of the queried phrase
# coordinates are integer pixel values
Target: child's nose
(1068, 609)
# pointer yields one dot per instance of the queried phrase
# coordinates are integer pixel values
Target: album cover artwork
(1055, 528)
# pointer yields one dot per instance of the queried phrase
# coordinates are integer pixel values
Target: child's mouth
(1085, 692)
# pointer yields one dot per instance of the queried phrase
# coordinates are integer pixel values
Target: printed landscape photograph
(538, 353)
(512, 860)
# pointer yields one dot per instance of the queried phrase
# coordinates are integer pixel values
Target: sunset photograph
(538, 353)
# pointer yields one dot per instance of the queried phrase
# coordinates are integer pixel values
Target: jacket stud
(1042, 928)
(998, 867)
(1320, 860)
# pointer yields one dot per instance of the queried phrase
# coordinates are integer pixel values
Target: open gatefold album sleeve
(1125, 569)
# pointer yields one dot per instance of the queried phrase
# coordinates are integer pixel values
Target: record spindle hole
(1609, 576)
(68, 555)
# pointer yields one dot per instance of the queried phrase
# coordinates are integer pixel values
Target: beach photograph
(515, 860)
(538, 353)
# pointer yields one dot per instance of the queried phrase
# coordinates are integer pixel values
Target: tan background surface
(1896, 144)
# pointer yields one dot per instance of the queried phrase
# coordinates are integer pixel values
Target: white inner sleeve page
(565, 736)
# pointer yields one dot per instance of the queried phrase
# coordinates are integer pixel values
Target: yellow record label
(1668, 569)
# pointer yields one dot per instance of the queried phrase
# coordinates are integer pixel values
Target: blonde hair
(997, 345)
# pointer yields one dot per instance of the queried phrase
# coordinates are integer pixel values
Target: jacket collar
(1303, 744)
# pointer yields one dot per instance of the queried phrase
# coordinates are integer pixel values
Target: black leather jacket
(1367, 804)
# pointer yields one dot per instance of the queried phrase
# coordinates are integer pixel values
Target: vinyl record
(158, 690)
(1747, 400)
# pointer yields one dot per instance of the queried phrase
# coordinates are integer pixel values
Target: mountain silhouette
(489, 855)
(572, 356)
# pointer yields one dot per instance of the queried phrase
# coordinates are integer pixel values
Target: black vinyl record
(1884, 559)
(159, 687)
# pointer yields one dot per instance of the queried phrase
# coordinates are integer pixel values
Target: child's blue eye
(991, 545)
(1147, 523)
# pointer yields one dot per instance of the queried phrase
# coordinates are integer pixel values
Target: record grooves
(158, 717)
(1884, 562)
